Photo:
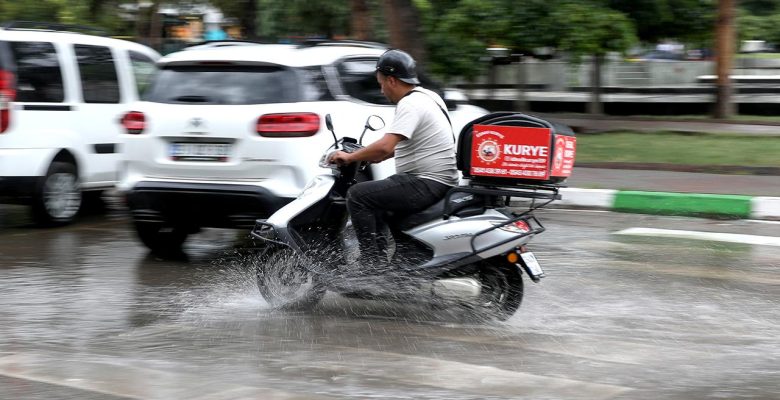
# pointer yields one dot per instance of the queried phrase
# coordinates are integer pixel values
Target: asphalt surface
(88, 313)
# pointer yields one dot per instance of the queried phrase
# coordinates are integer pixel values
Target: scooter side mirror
(329, 125)
(375, 123)
(329, 122)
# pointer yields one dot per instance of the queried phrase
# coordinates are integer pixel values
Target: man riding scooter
(423, 144)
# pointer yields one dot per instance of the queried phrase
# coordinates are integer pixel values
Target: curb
(665, 203)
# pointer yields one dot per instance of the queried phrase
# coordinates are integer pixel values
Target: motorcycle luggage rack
(542, 192)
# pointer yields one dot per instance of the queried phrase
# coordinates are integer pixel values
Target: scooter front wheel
(285, 282)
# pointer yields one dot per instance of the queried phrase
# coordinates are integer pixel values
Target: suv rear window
(38, 73)
(228, 85)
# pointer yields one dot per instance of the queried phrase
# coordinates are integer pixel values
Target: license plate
(530, 261)
(200, 151)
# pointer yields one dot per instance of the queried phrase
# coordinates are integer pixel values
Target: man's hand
(340, 158)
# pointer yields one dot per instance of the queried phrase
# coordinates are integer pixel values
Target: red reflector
(523, 226)
(7, 95)
(134, 122)
(288, 125)
(4, 119)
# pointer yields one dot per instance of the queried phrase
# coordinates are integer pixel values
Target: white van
(62, 95)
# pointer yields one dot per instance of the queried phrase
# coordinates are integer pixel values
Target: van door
(99, 114)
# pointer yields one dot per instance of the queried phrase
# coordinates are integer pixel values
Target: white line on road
(696, 235)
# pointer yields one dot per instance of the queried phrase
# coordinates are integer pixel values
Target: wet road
(88, 314)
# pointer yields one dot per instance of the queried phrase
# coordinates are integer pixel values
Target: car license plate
(200, 151)
(530, 261)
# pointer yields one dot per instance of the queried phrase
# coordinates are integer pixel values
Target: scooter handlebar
(347, 147)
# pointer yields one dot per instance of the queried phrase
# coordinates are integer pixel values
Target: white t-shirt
(429, 149)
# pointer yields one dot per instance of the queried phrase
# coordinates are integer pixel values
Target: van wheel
(58, 197)
(160, 238)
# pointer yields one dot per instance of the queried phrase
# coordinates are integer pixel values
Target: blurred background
(502, 53)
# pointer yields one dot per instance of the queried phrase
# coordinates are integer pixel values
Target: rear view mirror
(375, 123)
(329, 122)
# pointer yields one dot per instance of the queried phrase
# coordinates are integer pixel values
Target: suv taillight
(7, 95)
(288, 125)
(134, 122)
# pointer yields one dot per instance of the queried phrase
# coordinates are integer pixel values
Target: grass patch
(708, 118)
(679, 148)
(759, 55)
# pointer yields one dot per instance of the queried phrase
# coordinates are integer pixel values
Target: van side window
(144, 69)
(38, 73)
(99, 81)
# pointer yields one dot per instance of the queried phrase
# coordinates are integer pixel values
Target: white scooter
(468, 250)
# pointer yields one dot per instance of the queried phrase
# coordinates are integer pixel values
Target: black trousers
(368, 201)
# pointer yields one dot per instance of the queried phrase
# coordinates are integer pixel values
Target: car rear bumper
(17, 189)
(202, 205)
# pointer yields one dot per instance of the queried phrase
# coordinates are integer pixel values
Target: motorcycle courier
(468, 251)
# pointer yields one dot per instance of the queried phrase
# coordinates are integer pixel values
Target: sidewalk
(674, 193)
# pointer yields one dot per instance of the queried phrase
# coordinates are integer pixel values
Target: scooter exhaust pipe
(457, 289)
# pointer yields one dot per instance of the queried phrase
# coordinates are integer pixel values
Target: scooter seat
(461, 205)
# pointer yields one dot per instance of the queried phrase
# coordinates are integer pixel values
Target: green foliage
(97, 13)
(459, 31)
(752, 27)
(589, 29)
(302, 18)
(759, 27)
(684, 20)
(760, 7)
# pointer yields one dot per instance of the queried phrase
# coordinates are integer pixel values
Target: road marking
(696, 235)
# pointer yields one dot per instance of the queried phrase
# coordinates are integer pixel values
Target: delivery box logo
(511, 152)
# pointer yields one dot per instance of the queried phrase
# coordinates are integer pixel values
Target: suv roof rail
(345, 42)
(224, 43)
(53, 27)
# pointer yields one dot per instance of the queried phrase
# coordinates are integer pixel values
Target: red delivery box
(512, 148)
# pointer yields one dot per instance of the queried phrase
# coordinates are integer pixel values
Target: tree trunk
(724, 48)
(403, 23)
(93, 10)
(595, 106)
(361, 20)
(155, 27)
(521, 102)
(248, 20)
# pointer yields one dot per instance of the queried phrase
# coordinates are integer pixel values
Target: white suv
(231, 131)
(61, 97)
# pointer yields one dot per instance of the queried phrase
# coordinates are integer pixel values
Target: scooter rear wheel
(284, 281)
(502, 290)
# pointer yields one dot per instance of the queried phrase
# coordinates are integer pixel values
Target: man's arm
(380, 150)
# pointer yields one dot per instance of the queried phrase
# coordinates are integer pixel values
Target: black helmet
(399, 64)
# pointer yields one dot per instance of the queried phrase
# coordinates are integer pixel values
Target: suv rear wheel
(58, 198)
(160, 238)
